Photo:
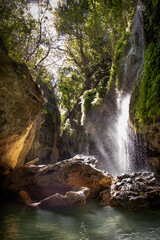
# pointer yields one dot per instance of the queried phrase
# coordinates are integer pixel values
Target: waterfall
(122, 129)
(130, 154)
(109, 134)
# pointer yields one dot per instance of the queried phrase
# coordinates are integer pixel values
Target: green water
(77, 223)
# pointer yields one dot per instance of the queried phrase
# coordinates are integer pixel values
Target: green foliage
(25, 37)
(69, 85)
(43, 78)
(121, 44)
(90, 31)
(152, 20)
(101, 88)
(86, 45)
(148, 104)
(113, 77)
(88, 98)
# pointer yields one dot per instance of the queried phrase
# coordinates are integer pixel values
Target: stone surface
(43, 181)
(153, 140)
(71, 198)
(153, 137)
(135, 191)
(20, 102)
(24, 197)
(105, 196)
(45, 144)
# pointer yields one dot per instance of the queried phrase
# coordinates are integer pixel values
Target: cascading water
(129, 150)
(111, 139)
(123, 157)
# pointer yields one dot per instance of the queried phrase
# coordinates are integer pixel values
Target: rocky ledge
(135, 191)
(69, 182)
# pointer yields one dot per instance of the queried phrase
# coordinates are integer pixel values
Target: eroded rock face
(20, 102)
(45, 144)
(43, 181)
(135, 191)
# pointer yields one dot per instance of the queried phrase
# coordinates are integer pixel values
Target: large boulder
(20, 102)
(45, 180)
(135, 191)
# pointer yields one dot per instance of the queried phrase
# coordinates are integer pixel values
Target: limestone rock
(20, 102)
(135, 191)
(43, 181)
(71, 198)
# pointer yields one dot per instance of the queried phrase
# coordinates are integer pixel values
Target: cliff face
(47, 130)
(145, 101)
(96, 136)
(21, 101)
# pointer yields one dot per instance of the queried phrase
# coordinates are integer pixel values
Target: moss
(94, 97)
(120, 47)
(145, 101)
(101, 88)
(97, 101)
(120, 53)
(152, 20)
(135, 94)
(113, 78)
(88, 98)
(148, 103)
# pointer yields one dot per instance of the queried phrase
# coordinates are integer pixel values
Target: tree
(78, 22)
(27, 38)
(88, 31)
(70, 85)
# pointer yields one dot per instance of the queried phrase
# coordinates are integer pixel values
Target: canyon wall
(21, 101)
(145, 101)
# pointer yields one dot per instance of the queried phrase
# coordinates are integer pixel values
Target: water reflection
(77, 223)
(11, 226)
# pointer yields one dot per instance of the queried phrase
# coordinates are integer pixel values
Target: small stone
(24, 197)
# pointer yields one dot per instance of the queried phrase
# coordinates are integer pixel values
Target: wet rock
(43, 181)
(105, 197)
(71, 198)
(123, 176)
(143, 192)
(154, 163)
